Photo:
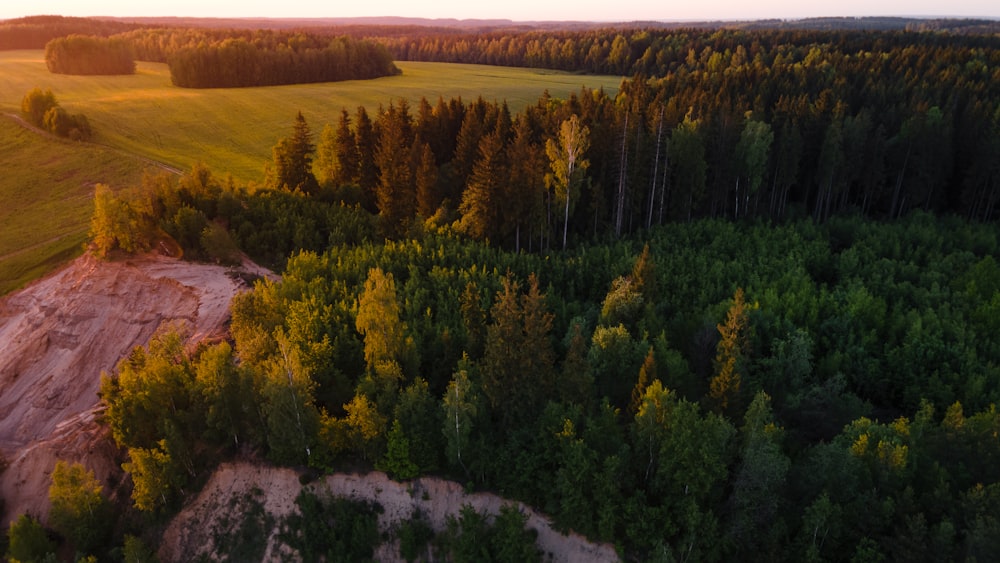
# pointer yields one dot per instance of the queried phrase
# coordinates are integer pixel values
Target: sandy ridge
(56, 337)
(188, 536)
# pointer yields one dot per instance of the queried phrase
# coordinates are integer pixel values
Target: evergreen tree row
(595, 164)
(79, 54)
(240, 63)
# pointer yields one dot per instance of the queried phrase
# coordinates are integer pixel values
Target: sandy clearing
(56, 337)
(187, 536)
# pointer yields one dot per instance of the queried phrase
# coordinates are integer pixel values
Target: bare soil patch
(58, 335)
(188, 536)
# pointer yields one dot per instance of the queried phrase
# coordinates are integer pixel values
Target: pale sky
(518, 10)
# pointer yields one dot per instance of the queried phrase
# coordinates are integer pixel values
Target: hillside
(60, 333)
(196, 530)
(47, 192)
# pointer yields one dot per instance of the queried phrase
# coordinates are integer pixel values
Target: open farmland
(233, 130)
(46, 198)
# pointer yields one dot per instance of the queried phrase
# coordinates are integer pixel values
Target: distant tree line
(34, 32)
(652, 51)
(42, 110)
(658, 151)
(239, 63)
(84, 55)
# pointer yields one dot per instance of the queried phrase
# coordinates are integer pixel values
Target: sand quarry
(58, 335)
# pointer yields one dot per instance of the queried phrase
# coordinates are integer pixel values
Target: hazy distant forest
(743, 309)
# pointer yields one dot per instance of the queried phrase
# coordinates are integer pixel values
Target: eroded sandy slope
(190, 536)
(58, 335)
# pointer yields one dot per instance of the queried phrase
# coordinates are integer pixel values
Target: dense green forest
(742, 310)
(87, 55)
(725, 124)
(710, 389)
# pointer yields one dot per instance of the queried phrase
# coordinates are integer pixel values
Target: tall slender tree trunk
(665, 188)
(656, 169)
(894, 211)
(622, 172)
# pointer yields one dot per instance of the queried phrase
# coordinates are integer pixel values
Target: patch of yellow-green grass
(234, 130)
(46, 198)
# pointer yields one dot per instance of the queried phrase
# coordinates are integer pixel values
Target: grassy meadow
(46, 198)
(46, 189)
(233, 130)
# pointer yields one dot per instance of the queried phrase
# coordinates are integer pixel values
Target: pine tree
(348, 159)
(517, 367)
(397, 461)
(731, 354)
(426, 179)
(467, 144)
(647, 373)
(366, 142)
(522, 207)
(577, 383)
(395, 193)
(481, 201)
(293, 159)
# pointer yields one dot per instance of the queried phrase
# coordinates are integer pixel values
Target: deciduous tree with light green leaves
(79, 510)
(567, 163)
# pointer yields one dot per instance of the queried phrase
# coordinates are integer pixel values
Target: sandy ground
(58, 335)
(187, 537)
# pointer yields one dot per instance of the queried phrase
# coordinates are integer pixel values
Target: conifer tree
(395, 193)
(731, 354)
(522, 207)
(426, 179)
(293, 159)
(366, 142)
(481, 200)
(348, 159)
(517, 367)
(644, 276)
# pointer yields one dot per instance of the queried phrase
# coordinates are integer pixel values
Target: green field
(46, 189)
(46, 198)
(233, 130)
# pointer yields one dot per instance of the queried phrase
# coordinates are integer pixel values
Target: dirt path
(38, 130)
(188, 536)
(21, 251)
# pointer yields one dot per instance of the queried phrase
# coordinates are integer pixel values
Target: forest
(709, 389)
(742, 309)
(758, 381)
(86, 55)
(199, 58)
(237, 63)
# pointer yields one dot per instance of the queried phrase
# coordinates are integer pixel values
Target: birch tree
(567, 163)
